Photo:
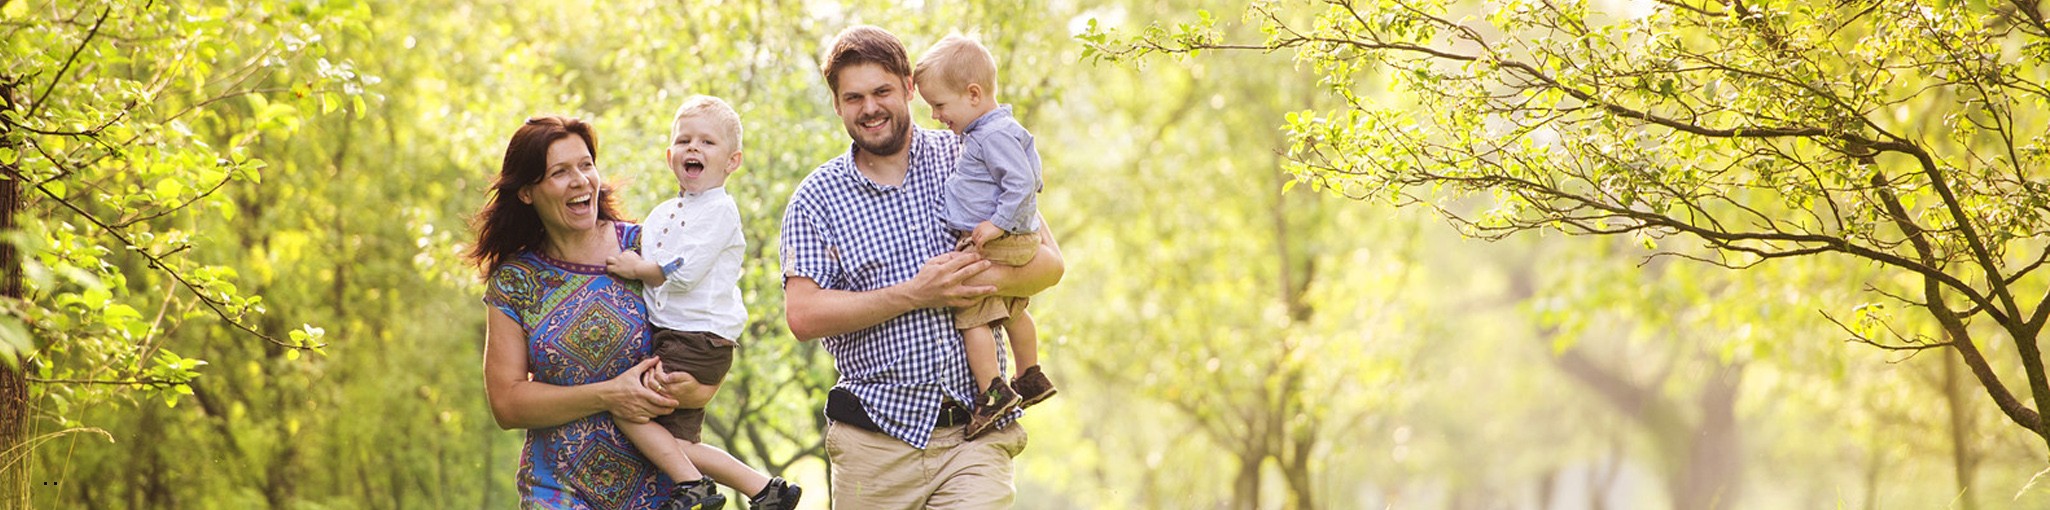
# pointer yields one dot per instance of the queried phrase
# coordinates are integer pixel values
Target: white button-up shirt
(696, 238)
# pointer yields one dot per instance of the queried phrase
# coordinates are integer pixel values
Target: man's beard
(894, 137)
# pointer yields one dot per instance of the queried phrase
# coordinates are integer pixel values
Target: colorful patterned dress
(583, 326)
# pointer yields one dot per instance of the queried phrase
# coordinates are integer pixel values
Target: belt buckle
(952, 414)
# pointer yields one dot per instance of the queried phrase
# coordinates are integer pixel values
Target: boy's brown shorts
(1010, 250)
(703, 355)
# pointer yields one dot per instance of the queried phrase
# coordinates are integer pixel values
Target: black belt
(952, 415)
(842, 406)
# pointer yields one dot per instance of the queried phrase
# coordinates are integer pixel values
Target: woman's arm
(518, 402)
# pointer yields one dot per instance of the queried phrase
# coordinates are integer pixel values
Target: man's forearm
(816, 313)
(1042, 272)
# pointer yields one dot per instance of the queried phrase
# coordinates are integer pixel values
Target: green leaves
(1741, 136)
(14, 340)
(168, 378)
(134, 146)
(309, 338)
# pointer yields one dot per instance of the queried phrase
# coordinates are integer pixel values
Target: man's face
(875, 106)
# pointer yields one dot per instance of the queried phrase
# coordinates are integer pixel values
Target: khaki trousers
(872, 470)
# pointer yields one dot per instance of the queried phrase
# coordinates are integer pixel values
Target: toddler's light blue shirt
(998, 177)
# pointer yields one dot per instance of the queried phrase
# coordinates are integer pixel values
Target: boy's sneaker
(697, 495)
(779, 494)
(996, 402)
(1033, 387)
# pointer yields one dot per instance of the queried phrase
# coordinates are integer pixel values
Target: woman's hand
(628, 399)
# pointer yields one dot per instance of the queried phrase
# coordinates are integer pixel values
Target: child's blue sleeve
(1015, 162)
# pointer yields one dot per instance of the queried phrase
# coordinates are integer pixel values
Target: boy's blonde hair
(714, 108)
(956, 62)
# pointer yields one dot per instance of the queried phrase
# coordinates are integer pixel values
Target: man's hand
(942, 281)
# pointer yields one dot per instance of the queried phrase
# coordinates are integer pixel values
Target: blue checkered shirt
(849, 233)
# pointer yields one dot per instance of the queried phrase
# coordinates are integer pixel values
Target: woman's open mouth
(580, 205)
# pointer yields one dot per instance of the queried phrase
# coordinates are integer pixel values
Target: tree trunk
(1963, 460)
(1245, 494)
(1874, 472)
(1603, 479)
(14, 464)
(1302, 494)
(1703, 459)
(152, 488)
(1709, 479)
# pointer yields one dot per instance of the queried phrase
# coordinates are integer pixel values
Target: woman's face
(567, 196)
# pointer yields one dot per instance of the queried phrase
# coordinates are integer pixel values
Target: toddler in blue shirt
(990, 204)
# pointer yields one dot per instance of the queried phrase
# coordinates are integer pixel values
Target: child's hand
(985, 232)
(626, 264)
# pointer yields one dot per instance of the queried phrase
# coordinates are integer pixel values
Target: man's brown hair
(864, 44)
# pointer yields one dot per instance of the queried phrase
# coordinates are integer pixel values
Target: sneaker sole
(1041, 398)
(975, 433)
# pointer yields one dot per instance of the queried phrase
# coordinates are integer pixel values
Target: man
(868, 268)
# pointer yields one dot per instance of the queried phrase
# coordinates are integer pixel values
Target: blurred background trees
(235, 236)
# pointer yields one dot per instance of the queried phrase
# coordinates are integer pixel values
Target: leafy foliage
(1909, 136)
(309, 168)
(119, 151)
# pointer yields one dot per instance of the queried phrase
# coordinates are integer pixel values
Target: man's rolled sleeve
(805, 251)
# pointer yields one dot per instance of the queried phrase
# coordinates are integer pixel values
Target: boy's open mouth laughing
(693, 166)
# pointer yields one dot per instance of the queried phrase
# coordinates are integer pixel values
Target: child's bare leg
(982, 354)
(660, 447)
(724, 468)
(1024, 338)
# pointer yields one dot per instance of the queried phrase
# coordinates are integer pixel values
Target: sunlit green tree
(1905, 135)
(121, 123)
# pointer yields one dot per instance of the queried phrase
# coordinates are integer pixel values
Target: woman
(565, 343)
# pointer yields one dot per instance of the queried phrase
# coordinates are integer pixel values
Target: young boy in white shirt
(691, 251)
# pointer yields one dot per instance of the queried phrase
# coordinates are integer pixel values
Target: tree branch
(158, 262)
(95, 31)
(159, 383)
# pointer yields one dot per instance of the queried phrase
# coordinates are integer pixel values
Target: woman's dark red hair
(506, 226)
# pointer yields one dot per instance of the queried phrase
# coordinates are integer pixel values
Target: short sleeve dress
(583, 326)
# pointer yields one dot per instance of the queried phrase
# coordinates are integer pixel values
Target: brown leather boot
(1033, 387)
